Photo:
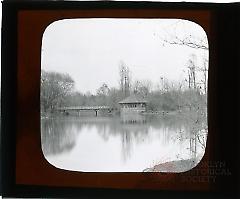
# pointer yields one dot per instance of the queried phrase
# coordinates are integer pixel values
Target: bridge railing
(84, 108)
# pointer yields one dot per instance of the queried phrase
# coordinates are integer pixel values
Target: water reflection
(133, 118)
(126, 143)
(58, 135)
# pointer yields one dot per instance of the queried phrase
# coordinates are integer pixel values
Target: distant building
(133, 104)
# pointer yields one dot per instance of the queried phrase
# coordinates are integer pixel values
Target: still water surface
(113, 144)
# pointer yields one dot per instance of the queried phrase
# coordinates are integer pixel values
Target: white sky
(222, 1)
(90, 50)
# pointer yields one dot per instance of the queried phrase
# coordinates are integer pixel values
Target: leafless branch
(202, 144)
(188, 43)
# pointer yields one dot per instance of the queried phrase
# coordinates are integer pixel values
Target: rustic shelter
(133, 104)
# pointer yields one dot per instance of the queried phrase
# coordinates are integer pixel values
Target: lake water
(118, 144)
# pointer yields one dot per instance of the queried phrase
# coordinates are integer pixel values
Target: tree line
(57, 90)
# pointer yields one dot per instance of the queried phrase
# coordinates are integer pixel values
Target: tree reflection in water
(59, 135)
(134, 127)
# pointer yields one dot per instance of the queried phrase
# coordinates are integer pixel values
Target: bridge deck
(79, 108)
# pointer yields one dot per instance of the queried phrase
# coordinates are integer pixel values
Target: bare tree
(164, 85)
(142, 87)
(204, 70)
(125, 80)
(197, 74)
(136, 86)
(103, 90)
(54, 89)
(190, 39)
(178, 36)
(191, 65)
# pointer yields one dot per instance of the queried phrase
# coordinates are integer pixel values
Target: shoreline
(175, 166)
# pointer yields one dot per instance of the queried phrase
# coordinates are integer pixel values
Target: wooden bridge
(78, 109)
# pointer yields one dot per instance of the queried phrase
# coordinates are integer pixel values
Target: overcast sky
(90, 50)
(227, 1)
